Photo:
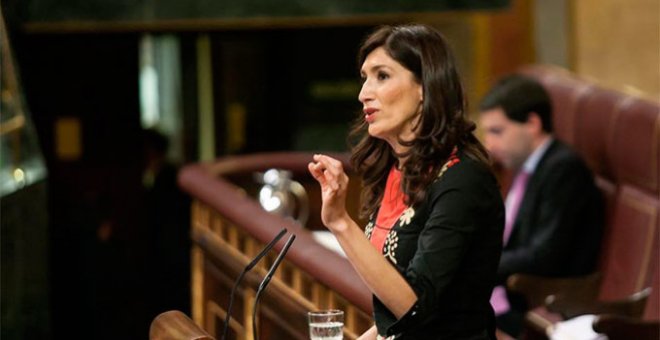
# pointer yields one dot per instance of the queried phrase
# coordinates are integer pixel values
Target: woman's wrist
(340, 225)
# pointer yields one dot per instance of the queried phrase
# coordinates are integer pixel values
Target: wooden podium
(229, 228)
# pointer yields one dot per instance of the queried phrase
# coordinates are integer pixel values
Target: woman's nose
(365, 92)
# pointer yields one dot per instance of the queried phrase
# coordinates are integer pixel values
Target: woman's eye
(383, 76)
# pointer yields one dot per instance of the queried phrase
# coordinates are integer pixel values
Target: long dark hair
(442, 126)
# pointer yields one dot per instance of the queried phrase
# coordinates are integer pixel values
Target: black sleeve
(441, 246)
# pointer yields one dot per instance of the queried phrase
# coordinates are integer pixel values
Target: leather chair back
(619, 137)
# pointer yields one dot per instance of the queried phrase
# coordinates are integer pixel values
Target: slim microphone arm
(265, 281)
(247, 268)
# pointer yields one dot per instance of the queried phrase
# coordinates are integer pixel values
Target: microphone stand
(265, 282)
(247, 268)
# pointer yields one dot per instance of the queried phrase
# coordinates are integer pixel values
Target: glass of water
(326, 325)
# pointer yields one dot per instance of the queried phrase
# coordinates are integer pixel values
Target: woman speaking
(434, 235)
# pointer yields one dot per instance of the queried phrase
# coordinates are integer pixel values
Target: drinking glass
(326, 325)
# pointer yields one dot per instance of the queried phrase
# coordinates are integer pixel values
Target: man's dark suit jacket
(559, 225)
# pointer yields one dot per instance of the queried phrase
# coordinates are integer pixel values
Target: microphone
(265, 282)
(247, 268)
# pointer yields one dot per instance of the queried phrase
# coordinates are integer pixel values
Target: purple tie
(498, 299)
(513, 201)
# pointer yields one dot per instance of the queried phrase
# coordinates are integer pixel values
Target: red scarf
(392, 204)
(391, 208)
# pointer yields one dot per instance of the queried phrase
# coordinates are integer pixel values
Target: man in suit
(554, 212)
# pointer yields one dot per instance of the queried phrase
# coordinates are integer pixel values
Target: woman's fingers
(333, 170)
(317, 172)
(330, 175)
(331, 164)
(321, 174)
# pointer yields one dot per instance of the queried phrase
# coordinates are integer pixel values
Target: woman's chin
(375, 133)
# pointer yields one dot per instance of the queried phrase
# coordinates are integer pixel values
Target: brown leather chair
(619, 136)
(622, 327)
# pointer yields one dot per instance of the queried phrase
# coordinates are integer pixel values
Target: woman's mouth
(369, 115)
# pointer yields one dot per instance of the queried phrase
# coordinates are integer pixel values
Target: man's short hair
(517, 96)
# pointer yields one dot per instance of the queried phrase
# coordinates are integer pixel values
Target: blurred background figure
(554, 212)
(166, 237)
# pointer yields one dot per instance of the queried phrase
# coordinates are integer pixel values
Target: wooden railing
(229, 228)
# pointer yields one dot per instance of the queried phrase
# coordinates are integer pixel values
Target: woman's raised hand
(330, 174)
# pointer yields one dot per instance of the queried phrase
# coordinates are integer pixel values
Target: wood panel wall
(618, 43)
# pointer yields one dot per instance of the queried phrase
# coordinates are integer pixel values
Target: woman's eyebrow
(373, 68)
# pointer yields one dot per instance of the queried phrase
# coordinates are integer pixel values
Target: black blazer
(559, 225)
(447, 248)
